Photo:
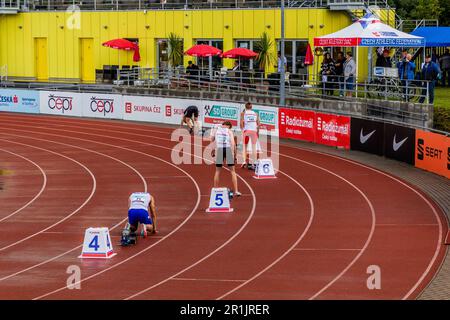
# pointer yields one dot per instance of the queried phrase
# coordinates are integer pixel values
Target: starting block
(264, 169)
(219, 202)
(97, 244)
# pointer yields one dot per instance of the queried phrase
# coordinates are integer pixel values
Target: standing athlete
(250, 130)
(190, 117)
(225, 152)
(141, 211)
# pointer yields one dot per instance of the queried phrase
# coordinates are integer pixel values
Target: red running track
(310, 234)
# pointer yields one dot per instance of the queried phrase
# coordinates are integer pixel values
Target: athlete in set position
(250, 130)
(225, 152)
(190, 117)
(141, 211)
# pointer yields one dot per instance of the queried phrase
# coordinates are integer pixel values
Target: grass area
(442, 108)
(442, 97)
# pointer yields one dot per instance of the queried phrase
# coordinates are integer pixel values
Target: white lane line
(207, 280)
(44, 184)
(94, 187)
(436, 215)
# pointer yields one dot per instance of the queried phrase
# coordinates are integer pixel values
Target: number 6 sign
(219, 201)
(97, 244)
(264, 169)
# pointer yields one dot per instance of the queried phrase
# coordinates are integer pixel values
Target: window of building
(295, 52)
(215, 62)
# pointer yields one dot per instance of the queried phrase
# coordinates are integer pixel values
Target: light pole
(282, 69)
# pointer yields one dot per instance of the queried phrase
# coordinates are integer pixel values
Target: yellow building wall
(17, 33)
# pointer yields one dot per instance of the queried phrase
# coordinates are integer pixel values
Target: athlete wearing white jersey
(141, 209)
(250, 130)
(225, 151)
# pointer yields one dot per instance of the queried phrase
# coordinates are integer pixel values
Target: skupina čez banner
(433, 152)
(322, 128)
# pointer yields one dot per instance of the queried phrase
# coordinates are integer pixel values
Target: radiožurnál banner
(367, 136)
(399, 143)
(296, 124)
(332, 130)
(433, 152)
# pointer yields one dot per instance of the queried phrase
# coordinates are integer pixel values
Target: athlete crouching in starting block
(141, 211)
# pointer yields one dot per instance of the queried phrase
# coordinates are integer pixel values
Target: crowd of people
(340, 72)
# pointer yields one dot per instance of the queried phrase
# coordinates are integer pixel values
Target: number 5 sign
(219, 201)
(97, 244)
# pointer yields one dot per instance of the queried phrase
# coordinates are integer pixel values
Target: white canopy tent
(369, 32)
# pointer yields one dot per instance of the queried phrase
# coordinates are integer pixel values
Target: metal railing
(61, 5)
(410, 25)
(3, 73)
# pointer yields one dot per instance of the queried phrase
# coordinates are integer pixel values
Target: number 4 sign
(97, 244)
(219, 201)
(264, 169)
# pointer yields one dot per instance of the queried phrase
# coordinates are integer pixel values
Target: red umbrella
(239, 53)
(203, 50)
(124, 44)
(309, 58)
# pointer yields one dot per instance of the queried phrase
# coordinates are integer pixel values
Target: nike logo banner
(399, 143)
(367, 136)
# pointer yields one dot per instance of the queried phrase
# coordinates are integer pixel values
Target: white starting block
(219, 201)
(97, 244)
(264, 169)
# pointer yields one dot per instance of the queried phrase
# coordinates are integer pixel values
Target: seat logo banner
(432, 152)
(61, 103)
(296, 124)
(332, 130)
(399, 143)
(215, 112)
(367, 136)
(19, 101)
(102, 106)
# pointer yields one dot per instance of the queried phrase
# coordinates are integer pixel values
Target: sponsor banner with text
(61, 103)
(140, 108)
(268, 118)
(174, 109)
(102, 106)
(367, 136)
(332, 130)
(296, 124)
(433, 152)
(399, 143)
(215, 112)
(19, 101)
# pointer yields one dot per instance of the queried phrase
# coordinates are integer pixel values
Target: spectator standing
(328, 73)
(406, 70)
(444, 60)
(384, 60)
(349, 74)
(430, 73)
(279, 63)
(339, 71)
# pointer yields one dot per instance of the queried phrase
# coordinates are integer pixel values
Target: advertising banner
(215, 112)
(107, 106)
(332, 130)
(399, 143)
(268, 117)
(61, 103)
(433, 152)
(367, 136)
(296, 124)
(19, 101)
(140, 108)
(174, 109)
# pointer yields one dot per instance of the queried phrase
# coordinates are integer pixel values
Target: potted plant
(175, 46)
(265, 56)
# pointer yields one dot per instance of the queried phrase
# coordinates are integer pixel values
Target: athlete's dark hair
(248, 105)
(228, 124)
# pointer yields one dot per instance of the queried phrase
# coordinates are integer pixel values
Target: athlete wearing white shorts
(250, 130)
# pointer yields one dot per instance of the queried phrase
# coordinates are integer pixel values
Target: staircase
(358, 8)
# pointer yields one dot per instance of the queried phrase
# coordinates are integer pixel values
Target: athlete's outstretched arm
(153, 212)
